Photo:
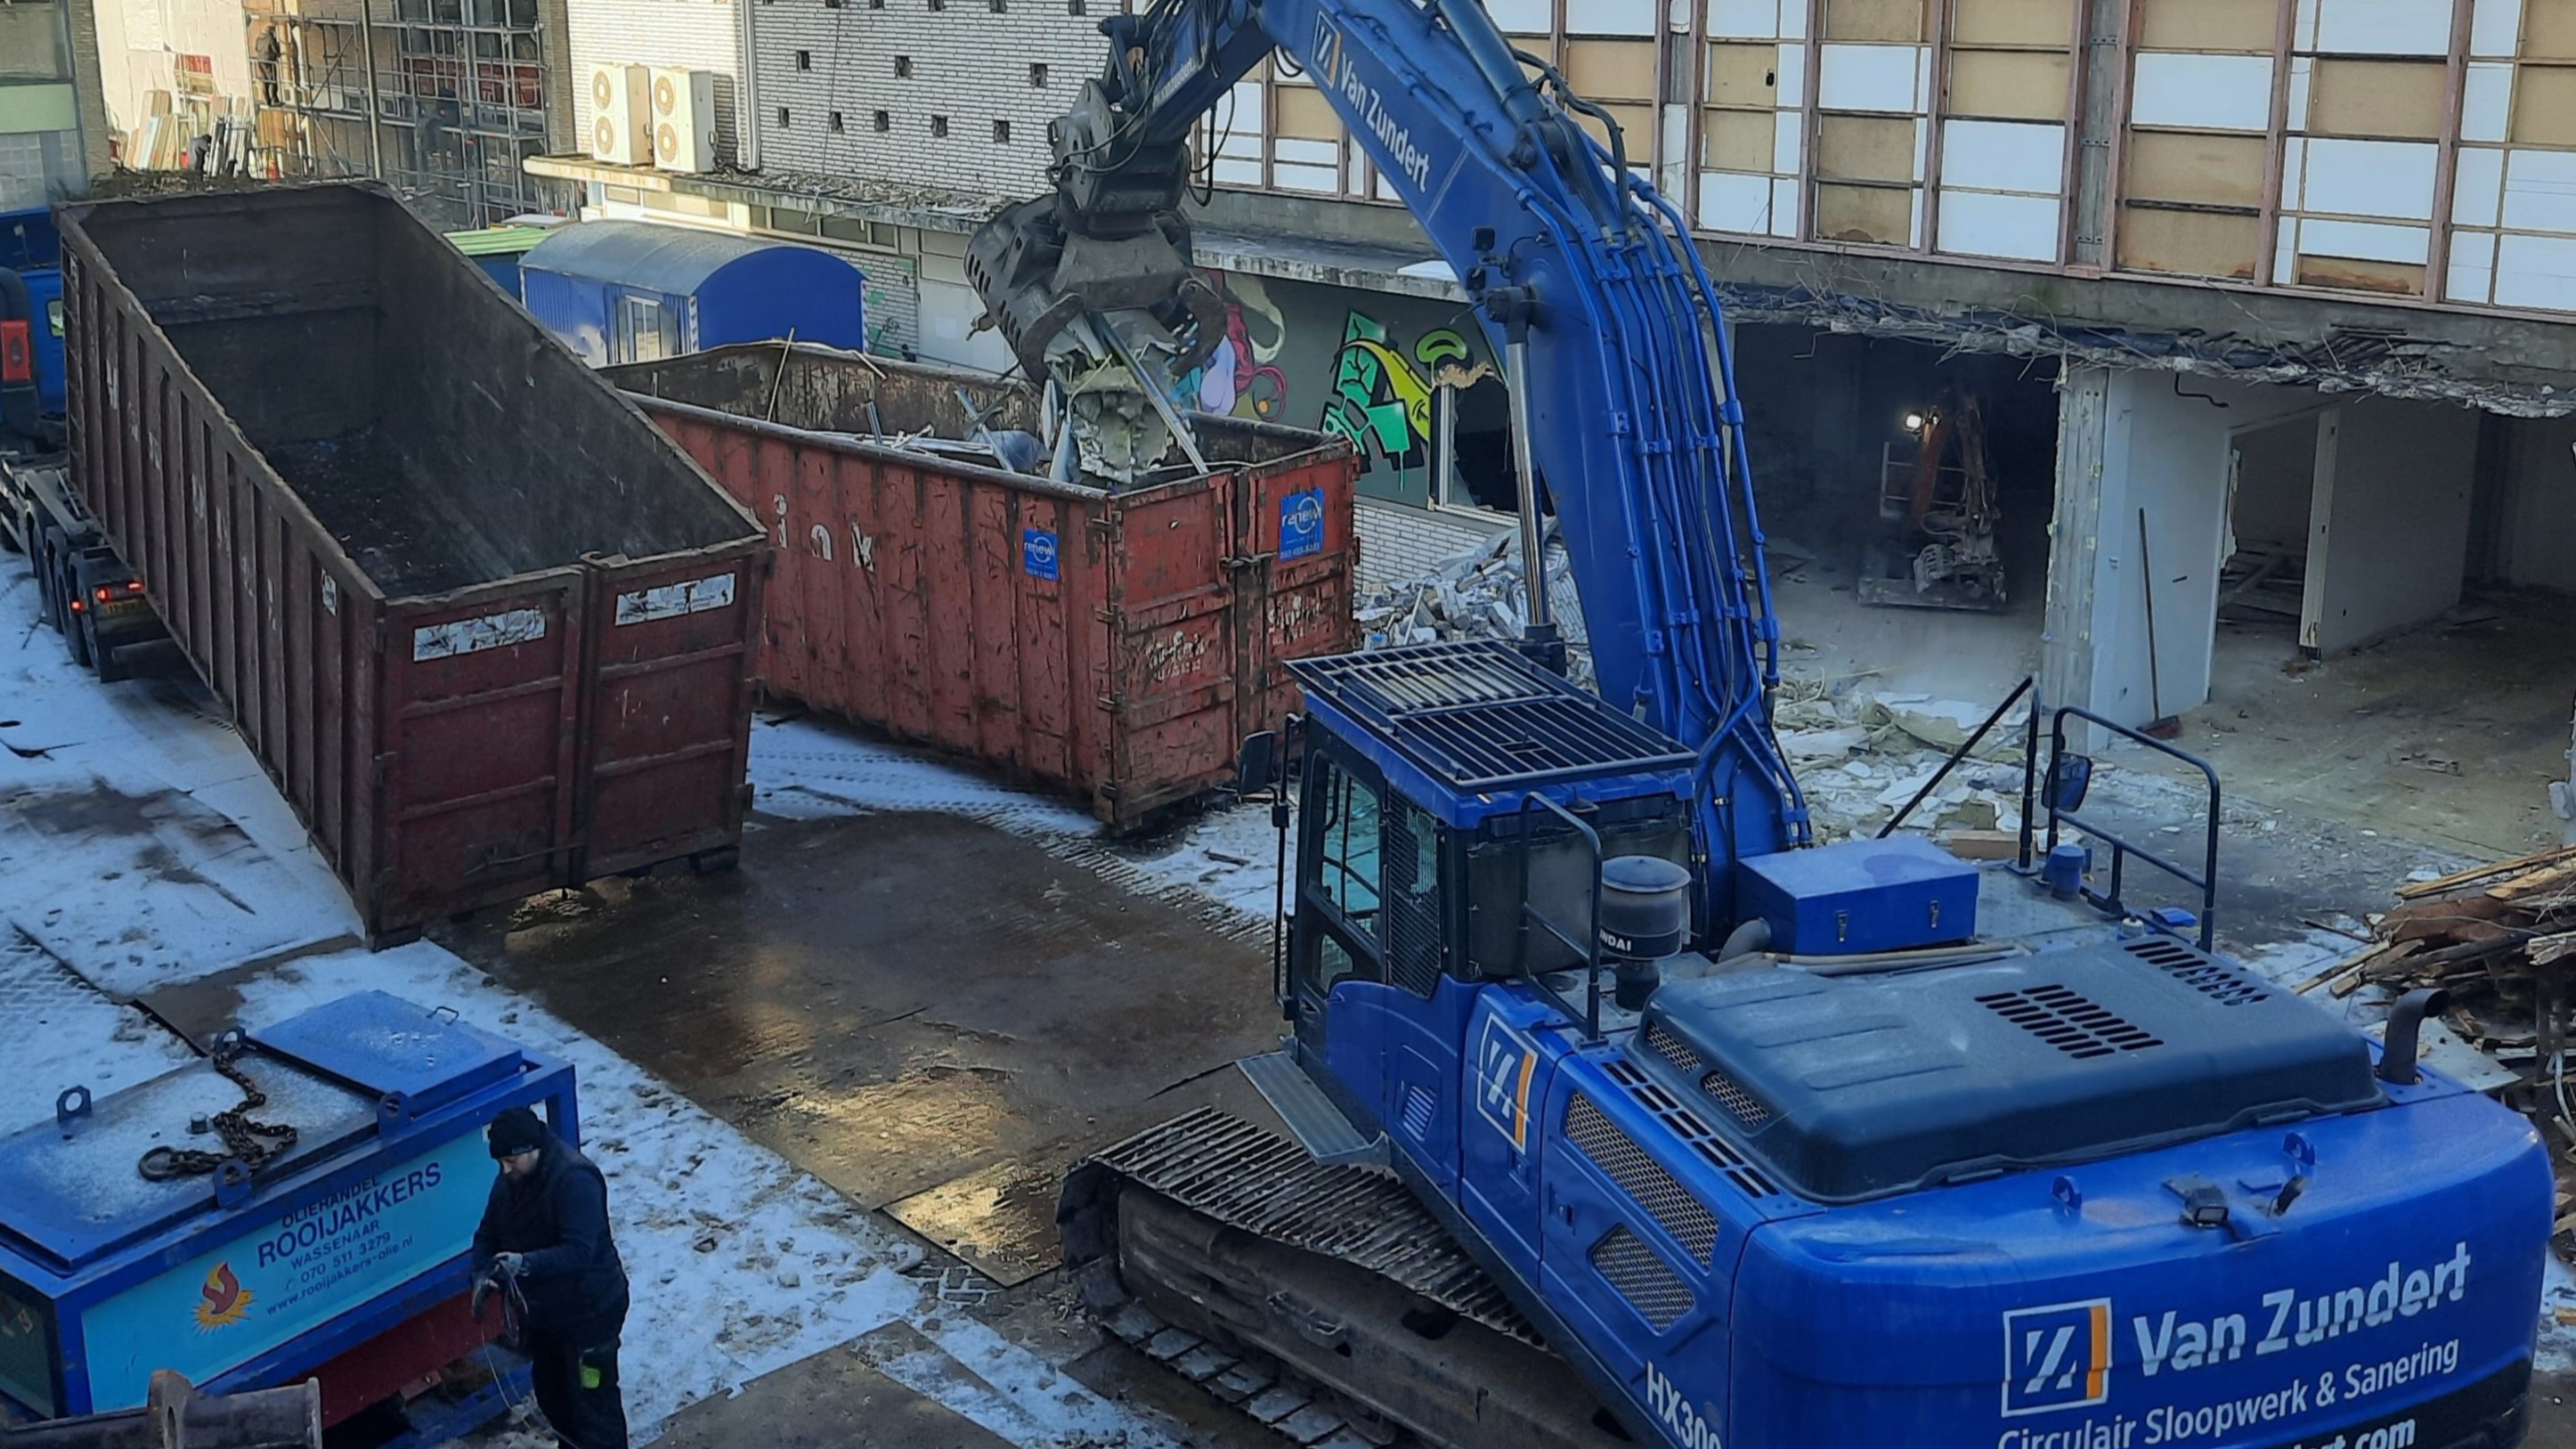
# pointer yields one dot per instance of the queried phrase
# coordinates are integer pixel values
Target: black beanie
(516, 1130)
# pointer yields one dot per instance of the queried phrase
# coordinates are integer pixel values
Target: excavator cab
(1462, 817)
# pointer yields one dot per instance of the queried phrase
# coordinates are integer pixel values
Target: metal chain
(249, 1142)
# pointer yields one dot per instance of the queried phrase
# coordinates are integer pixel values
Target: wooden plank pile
(2500, 941)
(2486, 935)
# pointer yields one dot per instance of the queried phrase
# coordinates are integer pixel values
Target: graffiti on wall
(1382, 397)
(1242, 378)
(1359, 365)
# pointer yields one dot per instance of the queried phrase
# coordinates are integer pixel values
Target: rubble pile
(2490, 936)
(1479, 594)
(2485, 936)
(1860, 755)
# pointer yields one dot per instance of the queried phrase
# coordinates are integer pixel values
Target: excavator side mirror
(1256, 763)
(2069, 778)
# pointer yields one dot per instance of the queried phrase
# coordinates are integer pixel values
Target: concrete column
(2142, 467)
(2074, 533)
(81, 17)
(2541, 503)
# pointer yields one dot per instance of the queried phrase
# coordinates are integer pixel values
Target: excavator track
(1324, 1302)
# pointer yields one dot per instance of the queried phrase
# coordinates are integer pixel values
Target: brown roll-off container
(1118, 644)
(487, 630)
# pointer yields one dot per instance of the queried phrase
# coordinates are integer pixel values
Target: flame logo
(223, 1301)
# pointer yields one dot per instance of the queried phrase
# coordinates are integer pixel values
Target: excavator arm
(1583, 278)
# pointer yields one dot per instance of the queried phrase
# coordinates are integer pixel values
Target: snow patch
(140, 843)
(141, 846)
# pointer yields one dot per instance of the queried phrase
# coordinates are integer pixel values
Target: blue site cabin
(632, 291)
(249, 1279)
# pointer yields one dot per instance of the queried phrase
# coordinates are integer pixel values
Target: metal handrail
(2206, 880)
(1962, 753)
(1590, 1012)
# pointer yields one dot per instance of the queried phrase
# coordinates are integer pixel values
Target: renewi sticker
(1038, 553)
(1301, 524)
(671, 600)
(472, 636)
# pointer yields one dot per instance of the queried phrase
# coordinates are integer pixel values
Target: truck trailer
(487, 630)
(83, 589)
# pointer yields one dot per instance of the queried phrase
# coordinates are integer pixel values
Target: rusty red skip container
(485, 628)
(1118, 645)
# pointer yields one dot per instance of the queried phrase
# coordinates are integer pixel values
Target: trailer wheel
(723, 857)
(76, 632)
(110, 670)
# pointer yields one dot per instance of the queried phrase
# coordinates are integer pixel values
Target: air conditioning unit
(684, 119)
(621, 117)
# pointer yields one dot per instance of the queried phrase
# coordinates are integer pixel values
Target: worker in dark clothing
(545, 1245)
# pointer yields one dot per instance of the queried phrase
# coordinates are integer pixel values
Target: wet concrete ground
(896, 1001)
(936, 1018)
(2553, 1412)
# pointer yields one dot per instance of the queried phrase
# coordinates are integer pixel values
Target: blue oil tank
(632, 291)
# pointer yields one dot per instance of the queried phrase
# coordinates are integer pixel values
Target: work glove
(508, 1265)
(483, 1289)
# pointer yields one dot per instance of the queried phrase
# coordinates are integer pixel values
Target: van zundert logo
(2057, 1357)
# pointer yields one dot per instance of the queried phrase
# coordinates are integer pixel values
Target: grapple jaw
(1037, 276)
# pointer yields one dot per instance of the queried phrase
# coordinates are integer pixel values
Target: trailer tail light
(134, 586)
(104, 593)
(17, 352)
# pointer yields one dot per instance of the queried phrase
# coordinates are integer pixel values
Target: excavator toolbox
(1861, 896)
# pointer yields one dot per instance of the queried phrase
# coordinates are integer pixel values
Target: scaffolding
(442, 99)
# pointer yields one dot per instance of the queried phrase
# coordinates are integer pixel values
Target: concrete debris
(1818, 746)
(1478, 594)
(1861, 755)
(1012, 451)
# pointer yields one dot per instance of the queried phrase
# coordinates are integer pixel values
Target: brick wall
(699, 34)
(1399, 541)
(971, 65)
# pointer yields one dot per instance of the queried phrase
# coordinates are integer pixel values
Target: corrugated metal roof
(499, 241)
(641, 254)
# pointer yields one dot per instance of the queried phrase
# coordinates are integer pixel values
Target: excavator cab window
(1338, 881)
(1347, 862)
(1369, 897)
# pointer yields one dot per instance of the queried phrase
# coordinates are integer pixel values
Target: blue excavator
(1627, 1113)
